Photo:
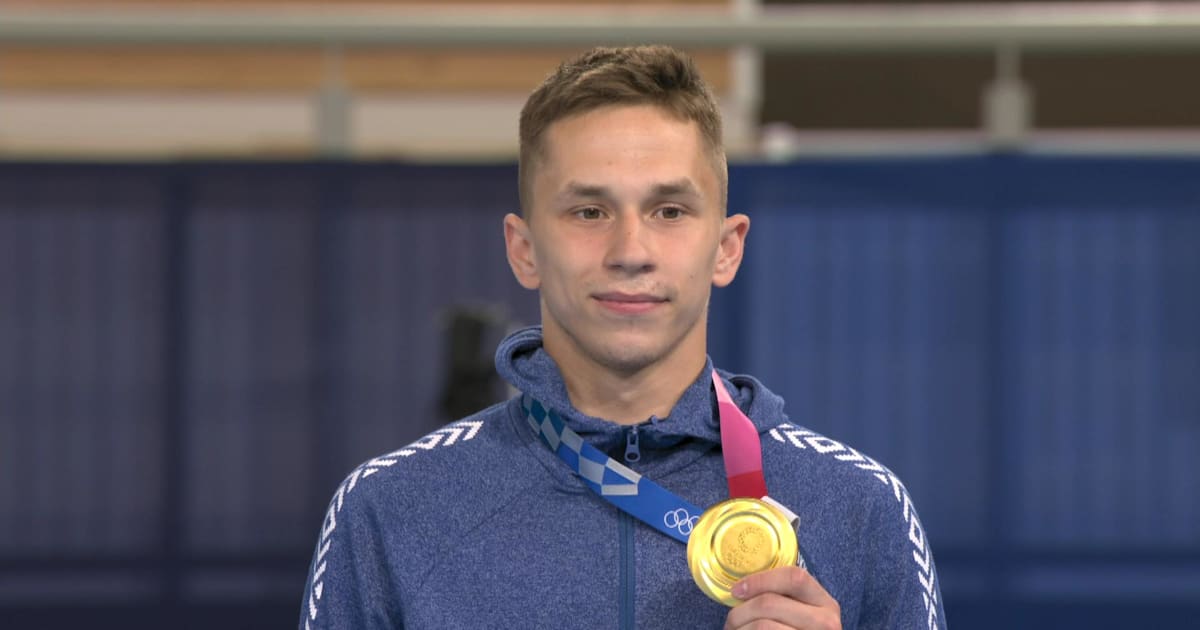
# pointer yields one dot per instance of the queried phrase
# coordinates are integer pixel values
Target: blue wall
(193, 354)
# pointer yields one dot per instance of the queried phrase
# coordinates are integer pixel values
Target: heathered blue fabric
(479, 525)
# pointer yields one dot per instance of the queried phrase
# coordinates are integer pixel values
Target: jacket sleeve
(903, 590)
(349, 585)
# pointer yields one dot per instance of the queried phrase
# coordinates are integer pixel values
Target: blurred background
(245, 246)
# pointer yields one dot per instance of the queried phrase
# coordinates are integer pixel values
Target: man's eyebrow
(678, 187)
(588, 191)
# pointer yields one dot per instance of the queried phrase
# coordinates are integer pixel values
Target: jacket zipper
(627, 576)
(632, 453)
(628, 579)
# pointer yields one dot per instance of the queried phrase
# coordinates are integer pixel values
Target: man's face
(625, 237)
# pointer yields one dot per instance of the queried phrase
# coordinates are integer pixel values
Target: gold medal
(736, 538)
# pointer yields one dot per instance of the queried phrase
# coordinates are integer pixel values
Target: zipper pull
(632, 454)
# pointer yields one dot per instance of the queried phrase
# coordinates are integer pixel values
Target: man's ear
(518, 245)
(730, 248)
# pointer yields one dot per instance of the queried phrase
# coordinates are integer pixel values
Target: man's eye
(670, 212)
(589, 213)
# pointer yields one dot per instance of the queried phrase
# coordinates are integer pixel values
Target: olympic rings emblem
(680, 519)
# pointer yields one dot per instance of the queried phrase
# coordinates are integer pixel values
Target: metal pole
(332, 107)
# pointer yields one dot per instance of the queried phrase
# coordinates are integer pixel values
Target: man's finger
(772, 610)
(793, 582)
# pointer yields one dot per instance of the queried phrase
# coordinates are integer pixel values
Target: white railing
(1029, 26)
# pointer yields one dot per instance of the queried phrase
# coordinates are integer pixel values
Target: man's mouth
(628, 303)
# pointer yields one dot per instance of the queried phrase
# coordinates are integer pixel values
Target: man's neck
(628, 398)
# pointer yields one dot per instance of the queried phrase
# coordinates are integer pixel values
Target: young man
(494, 522)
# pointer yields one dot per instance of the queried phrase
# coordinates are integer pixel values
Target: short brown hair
(634, 75)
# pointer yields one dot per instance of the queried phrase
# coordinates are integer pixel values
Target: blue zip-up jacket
(480, 525)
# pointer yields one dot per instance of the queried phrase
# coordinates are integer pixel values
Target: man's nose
(629, 249)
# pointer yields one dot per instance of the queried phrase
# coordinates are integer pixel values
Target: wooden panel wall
(298, 68)
(246, 68)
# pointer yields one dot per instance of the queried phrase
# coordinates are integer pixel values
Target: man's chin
(629, 358)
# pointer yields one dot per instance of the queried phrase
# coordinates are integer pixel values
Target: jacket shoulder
(396, 510)
(835, 463)
(901, 581)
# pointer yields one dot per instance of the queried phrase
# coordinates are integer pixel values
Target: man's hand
(787, 597)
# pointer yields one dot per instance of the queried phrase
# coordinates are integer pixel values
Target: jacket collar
(523, 362)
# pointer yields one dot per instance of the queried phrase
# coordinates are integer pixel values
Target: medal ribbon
(740, 446)
(640, 497)
(618, 484)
